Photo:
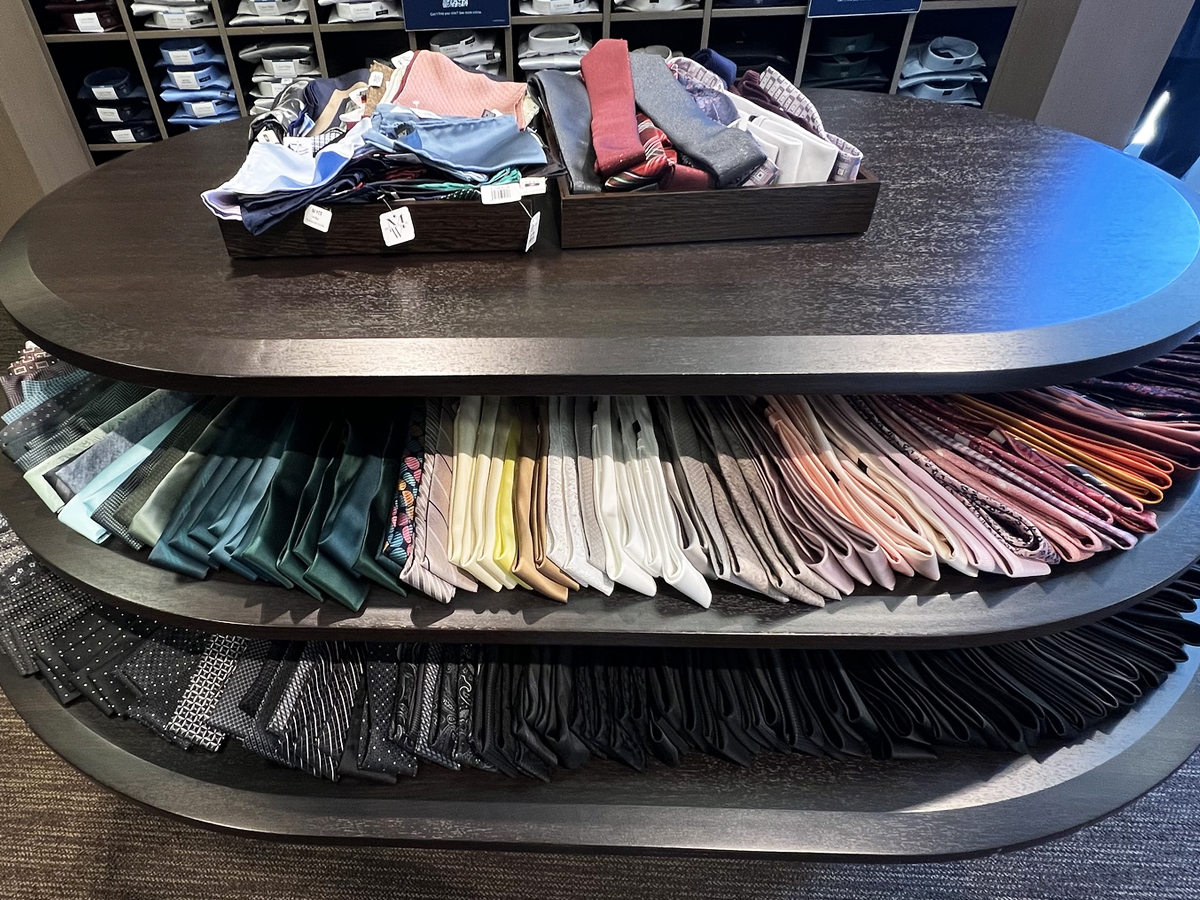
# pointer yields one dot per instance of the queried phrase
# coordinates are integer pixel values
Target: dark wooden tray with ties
(583, 220)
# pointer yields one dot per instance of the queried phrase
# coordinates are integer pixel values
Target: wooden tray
(441, 226)
(658, 217)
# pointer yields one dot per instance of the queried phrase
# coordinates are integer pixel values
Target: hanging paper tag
(301, 145)
(176, 20)
(185, 81)
(204, 109)
(104, 93)
(533, 186)
(397, 226)
(180, 57)
(532, 236)
(88, 23)
(318, 217)
(499, 193)
(284, 68)
(123, 136)
(376, 80)
(108, 114)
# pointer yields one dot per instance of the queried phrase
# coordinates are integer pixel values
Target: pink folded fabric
(436, 83)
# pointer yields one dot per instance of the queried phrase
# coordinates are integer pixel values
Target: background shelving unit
(783, 31)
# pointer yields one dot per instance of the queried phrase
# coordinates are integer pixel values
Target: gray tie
(586, 468)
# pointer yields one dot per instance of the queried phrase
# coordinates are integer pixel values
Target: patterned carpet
(68, 838)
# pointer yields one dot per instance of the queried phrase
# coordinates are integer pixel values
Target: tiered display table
(1002, 255)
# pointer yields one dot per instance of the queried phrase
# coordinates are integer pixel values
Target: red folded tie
(609, 86)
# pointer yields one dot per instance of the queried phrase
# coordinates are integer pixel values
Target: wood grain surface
(1002, 254)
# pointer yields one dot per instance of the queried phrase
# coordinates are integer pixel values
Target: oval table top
(1002, 254)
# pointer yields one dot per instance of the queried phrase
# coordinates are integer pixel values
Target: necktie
(168, 475)
(74, 466)
(377, 752)
(646, 469)
(429, 568)
(566, 541)
(593, 535)
(268, 536)
(565, 100)
(77, 511)
(400, 532)
(609, 83)
(618, 530)
(538, 513)
(500, 527)
(524, 490)
(798, 585)
(189, 722)
(730, 154)
(290, 563)
(114, 399)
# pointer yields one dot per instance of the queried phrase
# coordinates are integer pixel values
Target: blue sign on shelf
(436, 15)
(818, 8)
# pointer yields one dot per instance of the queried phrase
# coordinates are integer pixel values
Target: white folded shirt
(802, 157)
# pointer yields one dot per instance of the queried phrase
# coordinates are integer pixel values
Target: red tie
(609, 84)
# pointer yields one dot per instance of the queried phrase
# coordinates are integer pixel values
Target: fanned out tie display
(377, 711)
(798, 498)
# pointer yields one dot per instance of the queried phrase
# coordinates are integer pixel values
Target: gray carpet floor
(64, 838)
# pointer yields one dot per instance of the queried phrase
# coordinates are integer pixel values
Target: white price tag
(561, 6)
(266, 7)
(108, 114)
(284, 68)
(360, 12)
(318, 217)
(104, 93)
(204, 109)
(180, 57)
(499, 193)
(88, 22)
(176, 20)
(397, 226)
(376, 80)
(534, 224)
(123, 136)
(533, 186)
(185, 81)
(301, 145)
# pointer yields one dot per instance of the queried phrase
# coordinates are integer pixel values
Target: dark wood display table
(1002, 255)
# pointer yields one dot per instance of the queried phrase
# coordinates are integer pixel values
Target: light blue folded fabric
(76, 514)
(465, 146)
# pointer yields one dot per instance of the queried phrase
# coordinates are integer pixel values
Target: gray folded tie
(730, 154)
(567, 107)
